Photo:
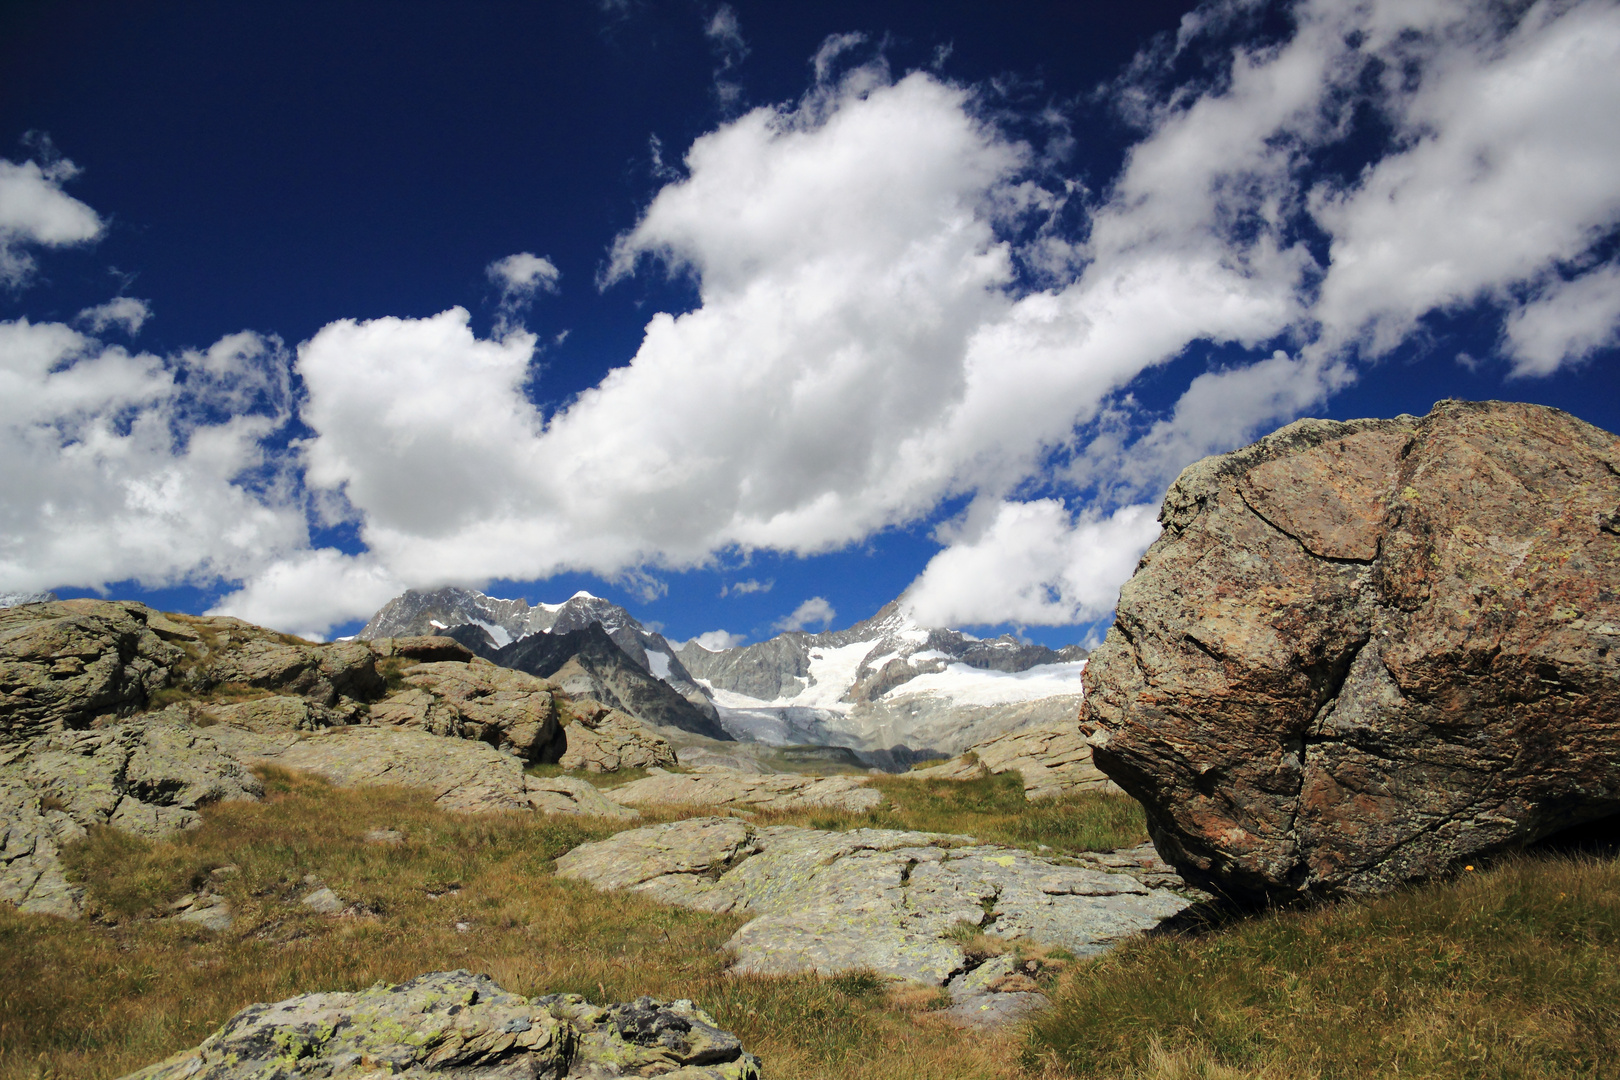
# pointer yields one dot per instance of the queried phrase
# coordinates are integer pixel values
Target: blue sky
(722, 309)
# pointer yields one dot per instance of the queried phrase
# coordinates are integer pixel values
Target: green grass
(1509, 972)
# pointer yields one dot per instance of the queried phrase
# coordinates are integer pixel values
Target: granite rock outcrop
(880, 899)
(1367, 653)
(601, 740)
(457, 1024)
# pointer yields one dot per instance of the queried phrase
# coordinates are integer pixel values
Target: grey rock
(462, 775)
(67, 663)
(1053, 758)
(210, 913)
(323, 901)
(724, 787)
(509, 710)
(990, 1011)
(462, 1025)
(870, 898)
(146, 776)
(1369, 653)
(602, 740)
(383, 836)
(571, 795)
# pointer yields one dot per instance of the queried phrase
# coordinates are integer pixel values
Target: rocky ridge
(1367, 653)
(455, 1023)
(114, 714)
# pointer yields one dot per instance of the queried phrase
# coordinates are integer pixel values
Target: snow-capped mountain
(886, 688)
(504, 622)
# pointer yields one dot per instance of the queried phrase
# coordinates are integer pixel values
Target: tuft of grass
(1509, 972)
(103, 996)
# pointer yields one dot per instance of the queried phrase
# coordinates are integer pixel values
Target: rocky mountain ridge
(889, 689)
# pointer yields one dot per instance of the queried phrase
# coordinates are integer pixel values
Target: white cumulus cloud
(34, 210)
(125, 312)
(815, 611)
(1033, 562)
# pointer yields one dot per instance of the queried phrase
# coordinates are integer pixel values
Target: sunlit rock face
(1368, 653)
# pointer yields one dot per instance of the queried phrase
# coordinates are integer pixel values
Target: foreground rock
(1053, 758)
(871, 898)
(462, 1025)
(1369, 653)
(463, 775)
(751, 791)
(149, 777)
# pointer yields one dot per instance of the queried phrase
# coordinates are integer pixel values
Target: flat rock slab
(458, 1024)
(879, 899)
(754, 791)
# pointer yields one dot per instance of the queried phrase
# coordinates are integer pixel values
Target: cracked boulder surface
(1364, 654)
(457, 1024)
(879, 899)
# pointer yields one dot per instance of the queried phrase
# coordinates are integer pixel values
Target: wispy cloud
(813, 612)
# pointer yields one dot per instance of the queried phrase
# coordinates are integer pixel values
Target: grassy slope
(103, 997)
(1511, 972)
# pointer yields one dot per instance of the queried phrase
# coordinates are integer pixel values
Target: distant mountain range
(891, 690)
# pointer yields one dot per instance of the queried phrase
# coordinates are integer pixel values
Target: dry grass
(991, 808)
(104, 996)
(1510, 972)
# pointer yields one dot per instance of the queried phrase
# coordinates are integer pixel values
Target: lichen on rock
(463, 1025)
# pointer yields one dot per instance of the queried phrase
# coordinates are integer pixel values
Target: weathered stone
(571, 795)
(146, 776)
(1367, 653)
(510, 710)
(462, 1025)
(31, 835)
(462, 775)
(210, 913)
(276, 712)
(323, 901)
(870, 898)
(602, 740)
(423, 648)
(67, 663)
(240, 653)
(1053, 758)
(774, 791)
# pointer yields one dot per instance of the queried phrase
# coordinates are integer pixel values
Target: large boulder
(1367, 653)
(457, 1024)
(510, 710)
